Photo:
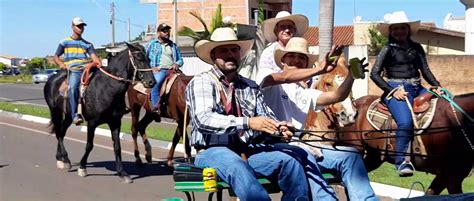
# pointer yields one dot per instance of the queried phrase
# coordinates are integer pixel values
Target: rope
(450, 98)
(413, 185)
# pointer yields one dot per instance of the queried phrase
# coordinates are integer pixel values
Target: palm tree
(216, 22)
(326, 24)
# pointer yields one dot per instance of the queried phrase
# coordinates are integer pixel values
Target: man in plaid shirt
(228, 113)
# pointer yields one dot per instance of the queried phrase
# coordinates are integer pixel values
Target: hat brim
(203, 48)
(384, 28)
(268, 26)
(80, 24)
(312, 58)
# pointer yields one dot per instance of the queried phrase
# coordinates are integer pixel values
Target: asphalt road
(28, 168)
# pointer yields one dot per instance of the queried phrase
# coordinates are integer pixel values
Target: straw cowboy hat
(268, 25)
(398, 17)
(296, 45)
(221, 36)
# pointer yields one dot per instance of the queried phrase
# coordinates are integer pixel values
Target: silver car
(43, 76)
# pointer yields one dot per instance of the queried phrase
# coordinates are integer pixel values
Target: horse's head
(344, 111)
(141, 65)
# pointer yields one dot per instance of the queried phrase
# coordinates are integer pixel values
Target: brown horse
(449, 155)
(173, 107)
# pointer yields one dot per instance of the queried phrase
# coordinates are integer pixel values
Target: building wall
(440, 44)
(361, 32)
(6, 61)
(454, 72)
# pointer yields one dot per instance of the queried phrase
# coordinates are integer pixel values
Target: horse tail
(54, 101)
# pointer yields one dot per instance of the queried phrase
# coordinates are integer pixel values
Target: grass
(22, 79)
(387, 174)
(384, 174)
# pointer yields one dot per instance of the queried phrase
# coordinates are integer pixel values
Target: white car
(43, 76)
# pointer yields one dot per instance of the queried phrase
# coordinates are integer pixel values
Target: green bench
(188, 179)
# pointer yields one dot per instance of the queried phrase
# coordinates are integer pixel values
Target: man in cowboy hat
(291, 101)
(227, 113)
(164, 55)
(77, 52)
(402, 60)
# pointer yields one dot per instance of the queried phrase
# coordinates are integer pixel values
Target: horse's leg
(144, 122)
(437, 185)
(135, 113)
(372, 159)
(91, 126)
(115, 129)
(187, 147)
(176, 137)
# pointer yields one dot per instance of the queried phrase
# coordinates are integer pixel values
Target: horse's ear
(128, 45)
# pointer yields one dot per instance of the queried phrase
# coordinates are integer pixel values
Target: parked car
(43, 76)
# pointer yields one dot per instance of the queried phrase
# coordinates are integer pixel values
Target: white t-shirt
(290, 102)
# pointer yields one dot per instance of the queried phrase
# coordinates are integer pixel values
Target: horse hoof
(60, 164)
(127, 179)
(67, 166)
(148, 158)
(82, 172)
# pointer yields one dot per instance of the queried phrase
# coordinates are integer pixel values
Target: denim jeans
(74, 83)
(350, 165)
(266, 161)
(402, 115)
(320, 189)
(155, 91)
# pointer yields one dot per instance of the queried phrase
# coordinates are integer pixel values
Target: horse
(173, 106)
(103, 102)
(448, 153)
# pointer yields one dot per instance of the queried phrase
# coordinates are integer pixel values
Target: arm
(92, 53)
(57, 60)
(179, 59)
(377, 70)
(425, 70)
(202, 97)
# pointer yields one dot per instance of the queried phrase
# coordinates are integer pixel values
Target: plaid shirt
(208, 113)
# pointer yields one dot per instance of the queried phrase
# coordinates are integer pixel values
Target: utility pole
(112, 22)
(129, 37)
(175, 21)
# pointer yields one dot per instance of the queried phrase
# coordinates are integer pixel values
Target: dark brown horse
(174, 105)
(449, 155)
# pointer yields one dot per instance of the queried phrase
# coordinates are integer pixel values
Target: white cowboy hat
(268, 25)
(221, 36)
(295, 45)
(398, 17)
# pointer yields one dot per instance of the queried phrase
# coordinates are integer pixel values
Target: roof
(438, 30)
(342, 35)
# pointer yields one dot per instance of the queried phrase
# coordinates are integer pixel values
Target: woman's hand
(437, 90)
(400, 94)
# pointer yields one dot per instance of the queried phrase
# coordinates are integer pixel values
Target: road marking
(73, 139)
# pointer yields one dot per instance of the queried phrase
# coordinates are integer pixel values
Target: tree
(140, 37)
(2, 66)
(377, 41)
(36, 62)
(326, 24)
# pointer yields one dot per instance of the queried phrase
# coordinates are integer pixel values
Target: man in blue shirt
(77, 53)
(164, 55)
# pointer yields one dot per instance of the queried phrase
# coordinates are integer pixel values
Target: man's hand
(330, 61)
(286, 130)
(174, 67)
(263, 124)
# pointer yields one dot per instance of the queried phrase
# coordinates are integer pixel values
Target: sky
(33, 28)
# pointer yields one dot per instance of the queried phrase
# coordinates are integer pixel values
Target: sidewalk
(383, 190)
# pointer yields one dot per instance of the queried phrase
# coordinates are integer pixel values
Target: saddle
(380, 118)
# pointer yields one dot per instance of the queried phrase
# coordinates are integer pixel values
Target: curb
(393, 192)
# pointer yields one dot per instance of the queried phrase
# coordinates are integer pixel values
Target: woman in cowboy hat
(278, 31)
(291, 100)
(401, 60)
(227, 112)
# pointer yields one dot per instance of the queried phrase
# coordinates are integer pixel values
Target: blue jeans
(155, 91)
(74, 83)
(266, 161)
(350, 165)
(402, 115)
(320, 189)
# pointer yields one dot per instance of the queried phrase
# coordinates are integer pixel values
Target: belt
(415, 80)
